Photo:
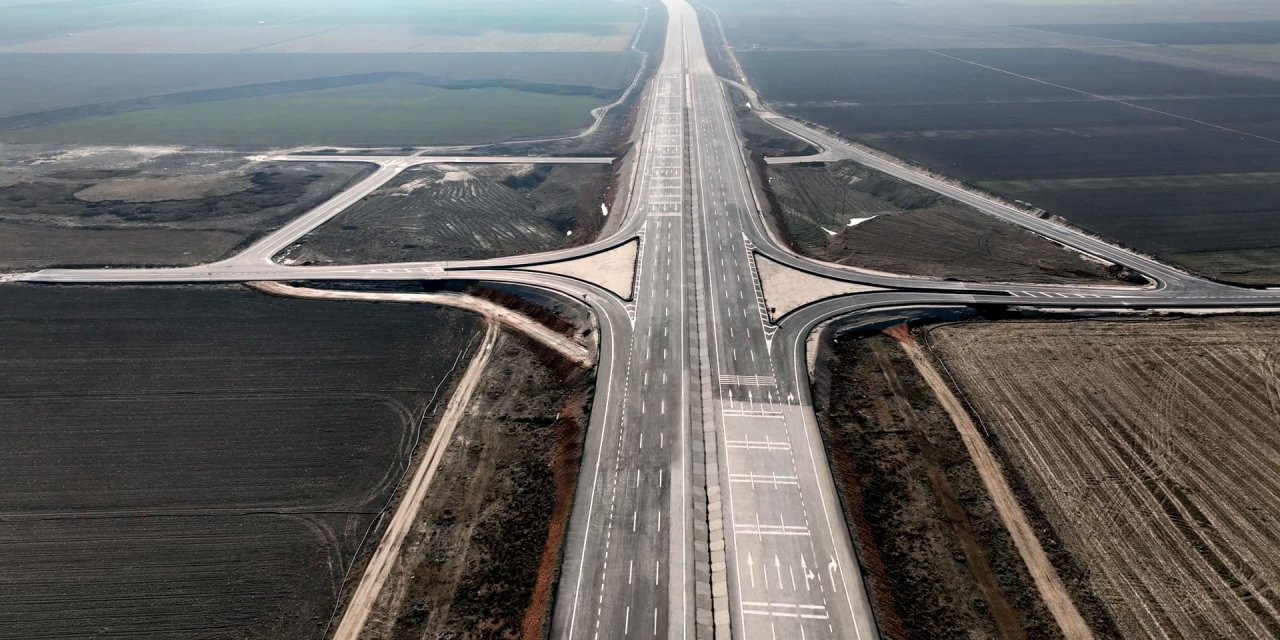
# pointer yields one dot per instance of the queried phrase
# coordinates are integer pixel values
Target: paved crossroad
(765, 553)
(705, 506)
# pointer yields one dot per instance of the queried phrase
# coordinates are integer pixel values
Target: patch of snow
(604, 209)
(853, 222)
(829, 232)
(413, 185)
(569, 232)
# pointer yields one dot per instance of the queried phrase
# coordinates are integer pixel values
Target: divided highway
(790, 569)
(705, 507)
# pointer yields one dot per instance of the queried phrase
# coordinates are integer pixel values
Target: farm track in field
(1149, 449)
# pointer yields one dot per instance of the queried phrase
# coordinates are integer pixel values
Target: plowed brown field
(1151, 451)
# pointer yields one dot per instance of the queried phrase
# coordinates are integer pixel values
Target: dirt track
(1148, 449)
(406, 514)
(570, 349)
(1046, 578)
(482, 557)
(937, 560)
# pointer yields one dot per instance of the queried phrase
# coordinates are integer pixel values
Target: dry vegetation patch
(462, 212)
(937, 561)
(148, 206)
(161, 188)
(847, 213)
(484, 557)
(1149, 450)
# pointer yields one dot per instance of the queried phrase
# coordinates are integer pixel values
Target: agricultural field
(1174, 151)
(849, 214)
(147, 205)
(936, 559)
(1145, 450)
(1260, 52)
(1254, 32)
(235, 73)
(464, 212)
(186, 462)
(306, 25)
(485, 553)
(46, 89)
(909, 24)
(390, 113)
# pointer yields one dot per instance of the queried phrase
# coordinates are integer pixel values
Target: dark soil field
(460, 212)
(1259, 32)
(124, 207)
(484, 558)
(822, 211)
(838, 24)
(189, 463)
(1145, 450)
(937, 560)
(1030, 123)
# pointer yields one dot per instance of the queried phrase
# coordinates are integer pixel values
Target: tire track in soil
(384, 558)
(1162, 486)
(1008, 623)
(1046, 578)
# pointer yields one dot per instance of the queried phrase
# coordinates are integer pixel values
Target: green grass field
(382, 114)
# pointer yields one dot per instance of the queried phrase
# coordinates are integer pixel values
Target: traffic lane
(758, 438)
(585, 523)
(631, 500)
(634, 587)
(628, 592)
(781, 564)
(275, 242)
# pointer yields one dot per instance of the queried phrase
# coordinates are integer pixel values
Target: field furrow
(1148, 449)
